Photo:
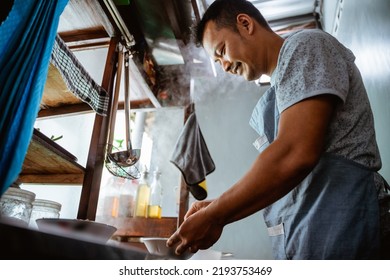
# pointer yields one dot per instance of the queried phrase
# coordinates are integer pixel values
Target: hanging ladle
(130, 156)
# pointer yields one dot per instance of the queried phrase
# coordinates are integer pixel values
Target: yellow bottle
(154, 211)
(142, 197)
(155, 203)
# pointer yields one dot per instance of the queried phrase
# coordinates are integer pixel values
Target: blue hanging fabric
(26, 39)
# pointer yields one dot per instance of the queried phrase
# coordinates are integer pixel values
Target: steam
(201, 77)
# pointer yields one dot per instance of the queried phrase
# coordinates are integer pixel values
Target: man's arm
(276, 171)
(283, 165)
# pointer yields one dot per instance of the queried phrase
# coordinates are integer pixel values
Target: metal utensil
(121, 163)
(115, 103)
(133, 154)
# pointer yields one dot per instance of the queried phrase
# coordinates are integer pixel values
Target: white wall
(329, 12)
(365, 29)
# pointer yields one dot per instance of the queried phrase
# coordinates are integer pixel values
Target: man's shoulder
(308, 35)
(307, 41)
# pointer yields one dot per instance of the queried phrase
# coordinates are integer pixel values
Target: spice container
(16, 205)
(43, 208)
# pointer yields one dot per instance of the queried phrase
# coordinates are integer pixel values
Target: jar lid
(47, 203)
(19, 194)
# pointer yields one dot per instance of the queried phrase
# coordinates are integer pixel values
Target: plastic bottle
(142, 197)
(156, 196)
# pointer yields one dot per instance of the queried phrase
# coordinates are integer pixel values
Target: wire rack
(128, 172)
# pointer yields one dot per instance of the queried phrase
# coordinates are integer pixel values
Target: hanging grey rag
(192, 157)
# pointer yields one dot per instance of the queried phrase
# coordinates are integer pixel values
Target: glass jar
(112, 191)
(127, 198)
(156, 196)
(142, 196)
(16, 205)
(43, 208)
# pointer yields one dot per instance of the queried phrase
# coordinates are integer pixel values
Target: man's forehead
(210, 37)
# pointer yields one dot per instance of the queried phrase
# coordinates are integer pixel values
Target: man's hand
(196, 206)
(198, 231)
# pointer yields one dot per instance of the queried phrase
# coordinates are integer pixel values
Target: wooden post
(184, 193)
(95, 163)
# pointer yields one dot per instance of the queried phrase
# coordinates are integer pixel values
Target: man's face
(232, 50)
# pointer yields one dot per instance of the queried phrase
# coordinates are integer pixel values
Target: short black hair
(224, 14)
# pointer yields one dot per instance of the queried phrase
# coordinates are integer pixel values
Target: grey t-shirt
(312, 62)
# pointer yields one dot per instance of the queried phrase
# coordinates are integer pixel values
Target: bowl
(157, 246)
(82, 229)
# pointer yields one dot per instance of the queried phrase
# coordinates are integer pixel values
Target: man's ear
(246, 22)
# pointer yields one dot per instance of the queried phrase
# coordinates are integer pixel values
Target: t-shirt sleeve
(311, 64)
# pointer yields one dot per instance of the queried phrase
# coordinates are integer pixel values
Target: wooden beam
(66, 110)
(184, 201)
(66, 179)
(89, 45)
(136, 104)
(84, 108)
(139, 227)
(84, 39)
(184, 192)
(95, 162)
(83, 34)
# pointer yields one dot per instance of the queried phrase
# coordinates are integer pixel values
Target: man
(316, 174)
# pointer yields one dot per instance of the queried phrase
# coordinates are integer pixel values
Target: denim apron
(332, 214)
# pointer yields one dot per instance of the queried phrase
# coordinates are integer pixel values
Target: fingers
(193, 233)
(193, 209)
(182, 245)
(189, 213)
(193, 249)
(173, 239)
(181, 248)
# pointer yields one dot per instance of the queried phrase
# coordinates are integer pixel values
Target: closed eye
(218, 54)
(222, 51)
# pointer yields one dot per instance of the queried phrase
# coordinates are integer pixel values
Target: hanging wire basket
(122, 163)
(128, 172)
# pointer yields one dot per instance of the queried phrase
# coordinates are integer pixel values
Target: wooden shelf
(47, 162)
(56, 93)
(141, 227)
